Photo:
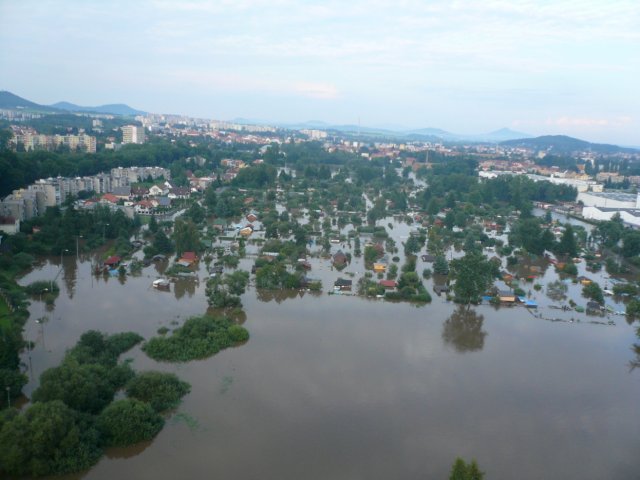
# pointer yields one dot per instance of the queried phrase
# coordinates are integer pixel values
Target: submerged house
(342, 284)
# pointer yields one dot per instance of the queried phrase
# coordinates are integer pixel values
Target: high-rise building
(133, 134)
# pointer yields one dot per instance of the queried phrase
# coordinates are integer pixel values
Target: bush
(633, 308)
(128, 421)
(86, 388)
(48, 438)
(199, 337)
(160, 390)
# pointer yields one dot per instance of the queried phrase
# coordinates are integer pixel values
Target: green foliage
(255, 176)
(86, 388)
(529, 234)
(48, 438)
(199, 337)
(625, 289)
(186, 236)
(633, 308)
(128, 421)
(89, 375)
(160, 390)
(594, 292)
(100, 348)
(567, 245)
(473, 276)
(441, 266)
(570, 269)
(13, 380)
(465, 471)
(161, 243)
(631, 243)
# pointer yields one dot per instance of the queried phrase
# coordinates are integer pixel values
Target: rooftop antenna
(358, 127)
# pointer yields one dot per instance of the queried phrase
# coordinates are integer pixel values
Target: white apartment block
(133, 134)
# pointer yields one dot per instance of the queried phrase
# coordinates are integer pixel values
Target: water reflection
(182, 287)
(127, 452)
(278, 295)
(463, 330)
(69, 276)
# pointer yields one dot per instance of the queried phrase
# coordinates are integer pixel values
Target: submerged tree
(472, 275)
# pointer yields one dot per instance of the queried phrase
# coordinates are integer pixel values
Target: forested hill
(11, 101)
(564, 144)
(113, 109)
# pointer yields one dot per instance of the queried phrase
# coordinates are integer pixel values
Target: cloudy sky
(541, 67)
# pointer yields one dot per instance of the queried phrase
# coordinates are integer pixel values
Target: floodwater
(340, 387)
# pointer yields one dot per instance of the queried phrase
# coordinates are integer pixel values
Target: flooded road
(339, 387)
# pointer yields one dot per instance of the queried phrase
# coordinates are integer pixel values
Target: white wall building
(616, 200)
(630, 216)
(133, 134)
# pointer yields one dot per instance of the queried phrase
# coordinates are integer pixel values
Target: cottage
(379, 267)
(342, 284)
(113, 261)
(388, 284)
(506, 297)
(188, 258)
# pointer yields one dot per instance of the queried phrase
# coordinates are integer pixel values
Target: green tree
(159, 389)
(633, 309)
(567, 245)
(153, 225)
(86, 388)
(441, 266)
(611, 231)
(185, 236)
(161, 243)
(128, 421)
(48, 438)
(594, 292)
(472, 274)
(631, 243)
(463, 471)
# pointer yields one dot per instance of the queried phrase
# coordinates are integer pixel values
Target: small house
(342, 284)
(388, 284)
(113, 261)
(379, 267)
(188, 258)
(506, 297)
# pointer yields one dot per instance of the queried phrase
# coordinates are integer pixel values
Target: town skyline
(535, 67)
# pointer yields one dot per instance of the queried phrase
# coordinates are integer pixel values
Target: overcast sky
(541, 67)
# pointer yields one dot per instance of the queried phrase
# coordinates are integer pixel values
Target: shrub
(48, 438)
(199, 337)
(160, 390)
(128, 421)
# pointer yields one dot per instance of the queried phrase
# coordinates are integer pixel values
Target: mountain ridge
(563, 144)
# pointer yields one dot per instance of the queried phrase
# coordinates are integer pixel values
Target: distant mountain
(502, 135)
(11, 101)
(562, 144)
(112, 109)
(435, 132)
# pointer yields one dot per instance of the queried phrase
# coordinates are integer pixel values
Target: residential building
(133, 134)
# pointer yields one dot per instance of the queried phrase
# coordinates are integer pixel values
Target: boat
(161, 284)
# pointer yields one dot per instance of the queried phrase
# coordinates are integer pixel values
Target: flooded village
(400, 313)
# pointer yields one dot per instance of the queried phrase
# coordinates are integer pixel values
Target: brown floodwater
(340, 387)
